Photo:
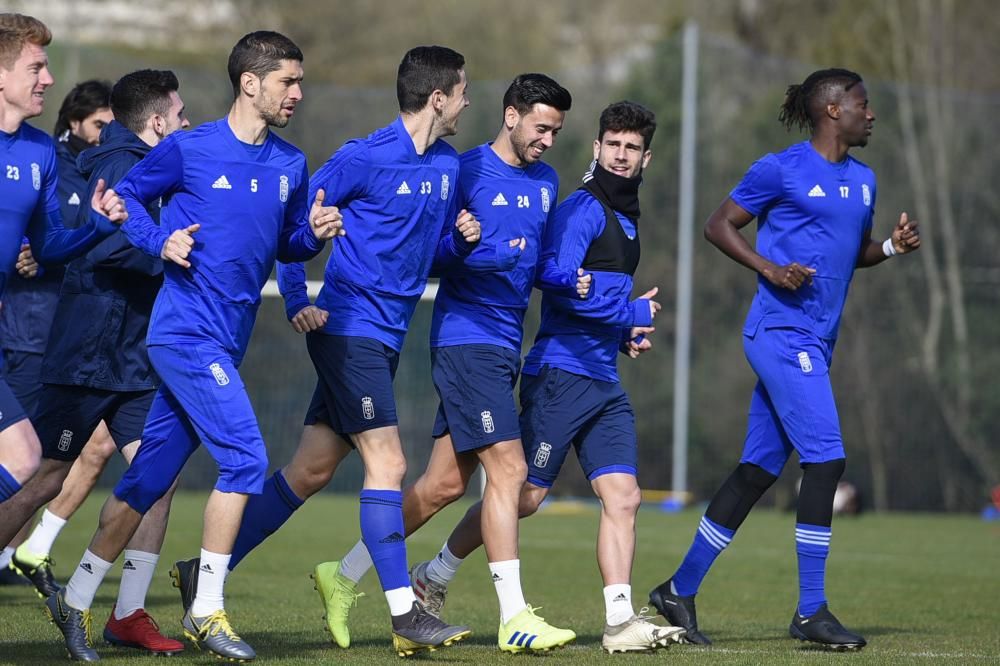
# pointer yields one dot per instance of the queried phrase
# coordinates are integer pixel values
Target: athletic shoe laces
(218, 622)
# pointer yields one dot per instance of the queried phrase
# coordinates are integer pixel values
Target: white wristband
(888, 249)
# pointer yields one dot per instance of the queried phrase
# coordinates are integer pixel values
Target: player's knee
(23, 464)
(529, 501)
(96, 454)
(823, 475)
(245, 475)
(388, 471)
(753, 479)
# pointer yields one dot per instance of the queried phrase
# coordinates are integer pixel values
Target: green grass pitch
(923, 589)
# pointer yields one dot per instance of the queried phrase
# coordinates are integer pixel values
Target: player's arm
(458, 239)
(117, 252)
(51, 241)
(307, 227)
(159, 174)
(550, 277)
(634, 341)
(905, 238)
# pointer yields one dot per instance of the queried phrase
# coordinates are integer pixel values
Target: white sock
(400, 600)
(44, 535)
(212, 572)
(137, 574)
(82, 587)
(444, 566)
(618, 603)
(356, 563)
(5, 556)
(507, 579)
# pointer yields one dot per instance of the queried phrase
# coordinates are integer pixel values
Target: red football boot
(139, 630)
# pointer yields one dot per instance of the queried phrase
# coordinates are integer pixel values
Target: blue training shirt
(399, 213)
(483, 299)
(584, 336)
(814, 212)
(29, 204)
(251, 204)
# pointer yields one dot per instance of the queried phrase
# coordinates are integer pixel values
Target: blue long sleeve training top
(251, 204)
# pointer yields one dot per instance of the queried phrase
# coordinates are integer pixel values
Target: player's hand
(326, 221)
(654, 307)
(107, 203)
(905, 236)
(309, 318)
(26, 265)
(520, 243)
(639, 341)
(468, 226)
(179, 246)
(583, 282)
(790, 277)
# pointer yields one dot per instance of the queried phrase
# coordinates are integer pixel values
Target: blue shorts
(10, 409)
(202, 401)
(354, 383)
(23, 372)
(476, 386)
(68, 415)
(792, 406)
(559, 409)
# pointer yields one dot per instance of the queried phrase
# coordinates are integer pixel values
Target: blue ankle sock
(8, 485)
(710, 540)
(382, 532)
(263, 515)
(812, 545)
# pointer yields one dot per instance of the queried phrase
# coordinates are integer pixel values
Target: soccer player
(29, 207)
(397, 189)
(570, 392)
(814, 205)
(31, 294)
(476, 335)
(101, 372)
(243, 191)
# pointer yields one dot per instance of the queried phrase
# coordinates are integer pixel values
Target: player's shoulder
(444, 155)
(35, 141)
(580, 202)
(286, 152)
(544, 172)
(863, 168)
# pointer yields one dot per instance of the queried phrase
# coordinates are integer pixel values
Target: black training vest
(612, 251)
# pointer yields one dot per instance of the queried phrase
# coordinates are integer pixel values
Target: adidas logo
(498, 200)
(817, 191)
(222, 183)
(395, 537)
(403, 188)
(128, 566)
(620, 597)
(74, 200)
(87, 567)
(207, 569)
(496, 577)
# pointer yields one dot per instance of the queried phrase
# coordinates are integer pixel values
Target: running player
(814, 205)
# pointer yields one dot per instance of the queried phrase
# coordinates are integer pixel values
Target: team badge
(545, 199)
(221, 378)
(283, 189)
(542, 457)
(444, 186)
(65, 439)
(488, 426)
(805, 363)
(866, 194)
(36, 176)
(368, 408)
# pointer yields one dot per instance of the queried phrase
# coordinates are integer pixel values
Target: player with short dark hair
(250, 188)
(476, 335)
(814, 205)
(29, 207)
(570, 393)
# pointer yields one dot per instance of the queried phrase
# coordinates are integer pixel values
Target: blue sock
(382, 532)
(263, 515)
(8, 485)
(812, 545)
(710, 540)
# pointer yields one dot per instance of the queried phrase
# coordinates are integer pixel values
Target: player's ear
(833, 110)
(646, 156)
(249, 84)
(597, 148)
(510, 117)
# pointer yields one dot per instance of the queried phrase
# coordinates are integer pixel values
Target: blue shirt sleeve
(159, 174)
(298, 242)
(53, 243)
(344, 176)
(292, 285)
(761, 187)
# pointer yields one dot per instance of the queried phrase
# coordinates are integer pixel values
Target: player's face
(622, 153)
(89, 129)
(25, 84)
(175, 118)
(856, 116)
(280, 93)
(455, 103)
(534, 132)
